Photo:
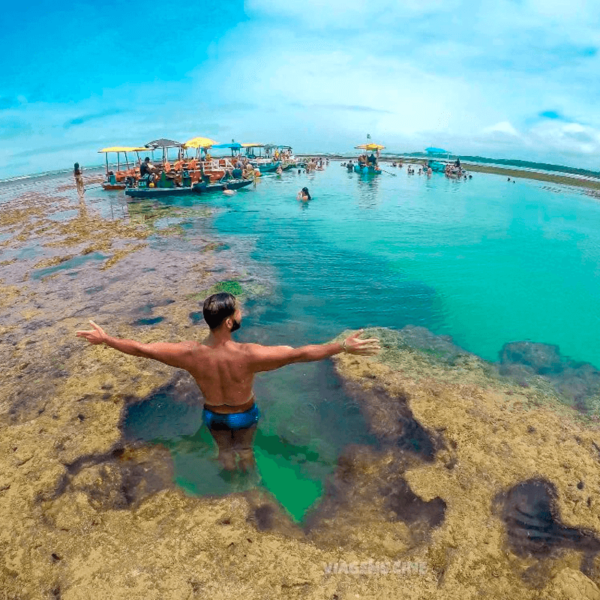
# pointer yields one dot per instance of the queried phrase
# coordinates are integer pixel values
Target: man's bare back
(224, 370)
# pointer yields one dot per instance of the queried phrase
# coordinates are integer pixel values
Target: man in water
(224, 371)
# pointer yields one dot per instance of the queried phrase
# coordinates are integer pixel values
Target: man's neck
(219, 337)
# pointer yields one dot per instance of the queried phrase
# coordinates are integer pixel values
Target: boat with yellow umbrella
(203, 166)
(126, 169)
(200, 144)
(368, 165)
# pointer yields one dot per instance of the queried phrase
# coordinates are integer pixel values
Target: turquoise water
(482, 260)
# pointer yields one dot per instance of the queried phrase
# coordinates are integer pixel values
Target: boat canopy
(200, 142)
(122, 149)
(232, 146)
(163, 143)
(437, 151)
(253, 145)
(370, 147)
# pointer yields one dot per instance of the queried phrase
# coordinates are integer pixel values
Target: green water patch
(63, 215)
(196, 317)
(94, 290)
(231, 286)
(296, 445)
(29, 252)
(149, 321)
(72, 263)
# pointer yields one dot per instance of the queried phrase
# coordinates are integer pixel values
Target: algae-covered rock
(495, 436)
(578, 382)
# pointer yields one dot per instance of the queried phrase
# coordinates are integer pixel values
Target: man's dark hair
(147, 159)
(217, 308)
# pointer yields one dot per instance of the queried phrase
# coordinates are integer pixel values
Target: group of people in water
(316, 164)
(452, 170)
(455, 171)
(282, 155)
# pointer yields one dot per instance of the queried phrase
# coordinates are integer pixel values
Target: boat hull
(198, 188)
(437, 167)
(268, 167)
(232, 184)
(364, 170)
(159, 192)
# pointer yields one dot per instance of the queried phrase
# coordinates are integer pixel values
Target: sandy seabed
(481, 487)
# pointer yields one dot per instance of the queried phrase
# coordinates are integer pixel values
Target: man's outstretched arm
(268, 358)
(174, 355)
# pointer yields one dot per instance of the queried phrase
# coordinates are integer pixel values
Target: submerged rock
(578, 382)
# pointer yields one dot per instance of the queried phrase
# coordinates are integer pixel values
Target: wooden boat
(119, 179)
(282, 153)
(264, 163)
(369, 168)
(195, 189)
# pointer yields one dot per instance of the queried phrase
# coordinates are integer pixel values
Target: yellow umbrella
(370, 147)
(200, 142)
(123, 149)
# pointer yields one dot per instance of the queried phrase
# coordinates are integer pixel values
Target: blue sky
(502, 78)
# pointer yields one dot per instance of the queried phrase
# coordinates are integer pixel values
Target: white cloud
(568, 138)
(503, 128)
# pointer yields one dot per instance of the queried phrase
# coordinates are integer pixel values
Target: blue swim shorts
(232, 421)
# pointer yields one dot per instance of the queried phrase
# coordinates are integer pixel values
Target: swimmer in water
(303, 195)
(224, 371)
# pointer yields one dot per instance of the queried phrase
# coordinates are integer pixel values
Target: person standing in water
(78, 174)
(224, 371)
(304, 195)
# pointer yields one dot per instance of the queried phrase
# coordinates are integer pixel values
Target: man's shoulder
(248, 348)
(193, 346)
(256, 351)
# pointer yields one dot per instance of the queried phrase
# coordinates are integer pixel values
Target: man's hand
(368, 347)
(97, 336)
